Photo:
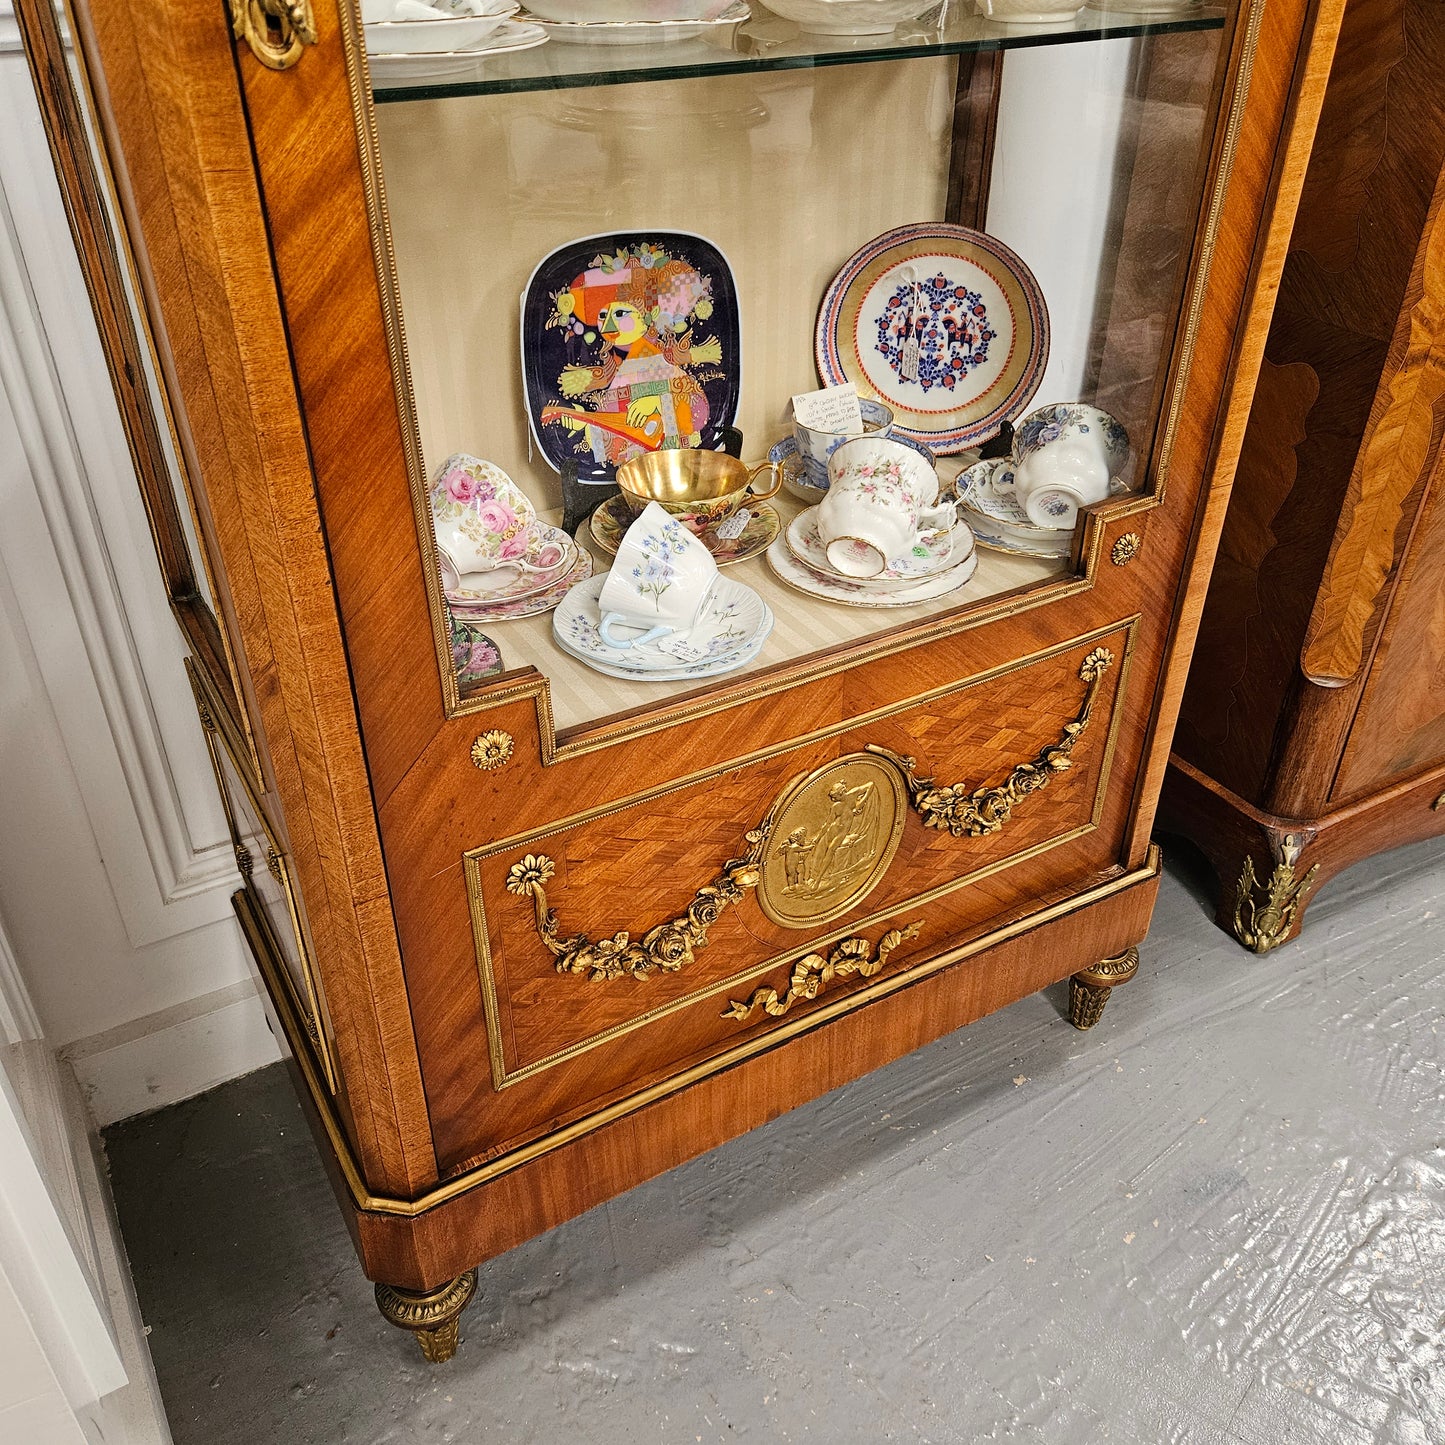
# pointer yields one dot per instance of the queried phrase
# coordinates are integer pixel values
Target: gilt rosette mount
(982, 811)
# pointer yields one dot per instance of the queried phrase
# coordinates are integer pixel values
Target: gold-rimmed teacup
(699, 488)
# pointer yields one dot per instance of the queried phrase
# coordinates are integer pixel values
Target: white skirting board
(171, 1055)
(43, 1374)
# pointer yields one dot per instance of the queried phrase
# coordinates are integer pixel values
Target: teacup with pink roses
(484, 522)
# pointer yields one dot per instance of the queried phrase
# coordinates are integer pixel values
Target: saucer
(795, 574)
(489, 609)
(930, 555)
(513, 584)
(637, 32)
(732, 618)
(391, 66)
(989, 534)
(713, 667)
(610, 522)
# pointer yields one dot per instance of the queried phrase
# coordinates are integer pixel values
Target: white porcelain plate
(945, 324)
(799, 576)
(931, 555)
(731, 620)
(445, 35)
(711, 667)
(638, 32)
(511, 36)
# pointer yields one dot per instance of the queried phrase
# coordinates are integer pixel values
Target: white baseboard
(168, 1056)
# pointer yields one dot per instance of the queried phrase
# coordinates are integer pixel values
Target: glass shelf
(767, 43)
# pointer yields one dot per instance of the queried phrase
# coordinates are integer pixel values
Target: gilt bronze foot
(1089, 989)
(431, 1315)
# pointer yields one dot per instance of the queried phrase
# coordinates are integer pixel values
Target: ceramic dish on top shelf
(638, 32)
(441, 34)
(625, 12)
(727, 542)
(510, 37)
(943, 323)
(849, 17)
(631, 342)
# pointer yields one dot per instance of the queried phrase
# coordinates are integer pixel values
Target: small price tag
(682, 648)
(735, 525)
(834, 409)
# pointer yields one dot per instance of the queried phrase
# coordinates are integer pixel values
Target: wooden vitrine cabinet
(534, 937)
(1313, 728)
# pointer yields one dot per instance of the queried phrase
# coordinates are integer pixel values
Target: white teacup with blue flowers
(658, 584)
(1064, 458)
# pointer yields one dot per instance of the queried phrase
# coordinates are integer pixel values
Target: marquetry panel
(559, 1039)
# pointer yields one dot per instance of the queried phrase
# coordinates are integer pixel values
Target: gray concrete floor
(1220, 1216)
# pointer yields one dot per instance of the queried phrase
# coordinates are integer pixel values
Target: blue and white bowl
(815, 447)
(798, 483)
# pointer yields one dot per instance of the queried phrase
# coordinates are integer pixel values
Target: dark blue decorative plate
(631, 342)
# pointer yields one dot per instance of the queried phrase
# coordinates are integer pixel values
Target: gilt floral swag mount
(823, 846)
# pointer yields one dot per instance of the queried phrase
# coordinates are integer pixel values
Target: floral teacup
(659, 582)
(484, 521)
(815, 447)
(879, 501)
(1064, 458)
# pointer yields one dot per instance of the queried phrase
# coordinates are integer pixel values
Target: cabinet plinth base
(432, 1316)
(1089, 989)
(1267, 867)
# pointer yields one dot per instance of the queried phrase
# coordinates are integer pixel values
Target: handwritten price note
(834, 409)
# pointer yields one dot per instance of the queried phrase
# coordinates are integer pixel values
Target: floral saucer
(990, 505)
(851, 593)
(489, 609)
(709, 667)
(610, 522)
(930, 555)
(508, 584)
(732, 618)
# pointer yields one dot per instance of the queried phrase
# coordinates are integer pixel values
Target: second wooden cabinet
(1313, 727)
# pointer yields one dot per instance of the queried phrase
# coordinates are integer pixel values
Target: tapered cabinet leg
(1089, 989)
(432, 1316)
